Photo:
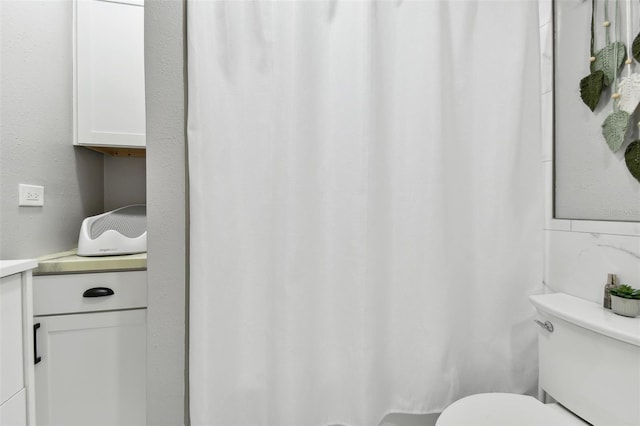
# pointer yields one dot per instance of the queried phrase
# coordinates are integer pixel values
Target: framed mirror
(592, 181)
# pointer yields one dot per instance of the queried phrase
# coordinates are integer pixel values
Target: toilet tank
(590, 362)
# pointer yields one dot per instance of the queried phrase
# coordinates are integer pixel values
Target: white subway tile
(546, 134)
(550, 222)
(601, 227)
(544, 12)
(546, 57)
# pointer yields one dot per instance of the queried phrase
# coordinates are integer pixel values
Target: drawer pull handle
(36, 358)
(98, 292)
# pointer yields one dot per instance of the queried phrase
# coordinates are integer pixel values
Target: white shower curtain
(365, 206)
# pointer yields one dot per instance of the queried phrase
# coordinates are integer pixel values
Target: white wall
(579, 253)
(166, 211)
(125, 181)
(36, 136)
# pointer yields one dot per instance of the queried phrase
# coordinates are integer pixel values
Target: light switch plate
(30, 195)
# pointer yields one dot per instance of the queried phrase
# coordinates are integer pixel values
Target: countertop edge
(70, 263)
(12, 267)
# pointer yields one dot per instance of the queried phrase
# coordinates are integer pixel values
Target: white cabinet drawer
(11, 355)
(62, 294)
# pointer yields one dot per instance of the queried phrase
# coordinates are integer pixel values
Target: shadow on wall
(90, 180)
(125, 181)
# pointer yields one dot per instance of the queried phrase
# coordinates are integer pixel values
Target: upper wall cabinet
(109, 73)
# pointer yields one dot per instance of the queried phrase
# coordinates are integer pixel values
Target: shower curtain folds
(365, 207)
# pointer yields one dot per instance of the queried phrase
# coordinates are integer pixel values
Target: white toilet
(589, 362)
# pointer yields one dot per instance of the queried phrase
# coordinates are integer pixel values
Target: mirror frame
(553, 222)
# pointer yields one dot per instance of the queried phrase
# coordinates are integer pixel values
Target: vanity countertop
(10, 267)
(70, 263)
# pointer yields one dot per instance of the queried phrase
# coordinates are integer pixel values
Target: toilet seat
(505, 409)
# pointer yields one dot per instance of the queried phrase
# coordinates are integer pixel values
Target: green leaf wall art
(591, 88)
(629, 91)
(605, 66)
(632, 158)
(614, 129)
(609, 60)
(635, 48)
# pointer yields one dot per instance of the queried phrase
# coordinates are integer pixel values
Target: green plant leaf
(614, 129)
(635, 48)
(625, 291)
(632, 158)
(591, 88)
(609, 59)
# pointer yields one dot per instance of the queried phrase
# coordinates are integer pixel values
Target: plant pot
(625, 307)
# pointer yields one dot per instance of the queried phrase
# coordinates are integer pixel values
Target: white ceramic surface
(588, 315)
(585, 361)
(503, 409)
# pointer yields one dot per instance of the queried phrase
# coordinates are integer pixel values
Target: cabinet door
(92, 370)
(11, 355)
(109, 72)
(14, 411)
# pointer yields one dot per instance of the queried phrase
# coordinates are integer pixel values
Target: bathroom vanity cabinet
(109, 104)
(16, 333)
(91, 348)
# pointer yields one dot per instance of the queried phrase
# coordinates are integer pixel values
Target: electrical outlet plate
(30, 195)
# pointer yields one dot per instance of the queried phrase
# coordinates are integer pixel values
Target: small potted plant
(625, 301)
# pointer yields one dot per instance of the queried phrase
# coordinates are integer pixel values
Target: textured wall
(125, 181)
(36, 136)
(166, 211)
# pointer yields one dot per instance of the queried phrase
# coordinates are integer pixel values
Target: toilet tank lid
(589, 315)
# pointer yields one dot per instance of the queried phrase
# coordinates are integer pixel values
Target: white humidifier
(121, 231)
